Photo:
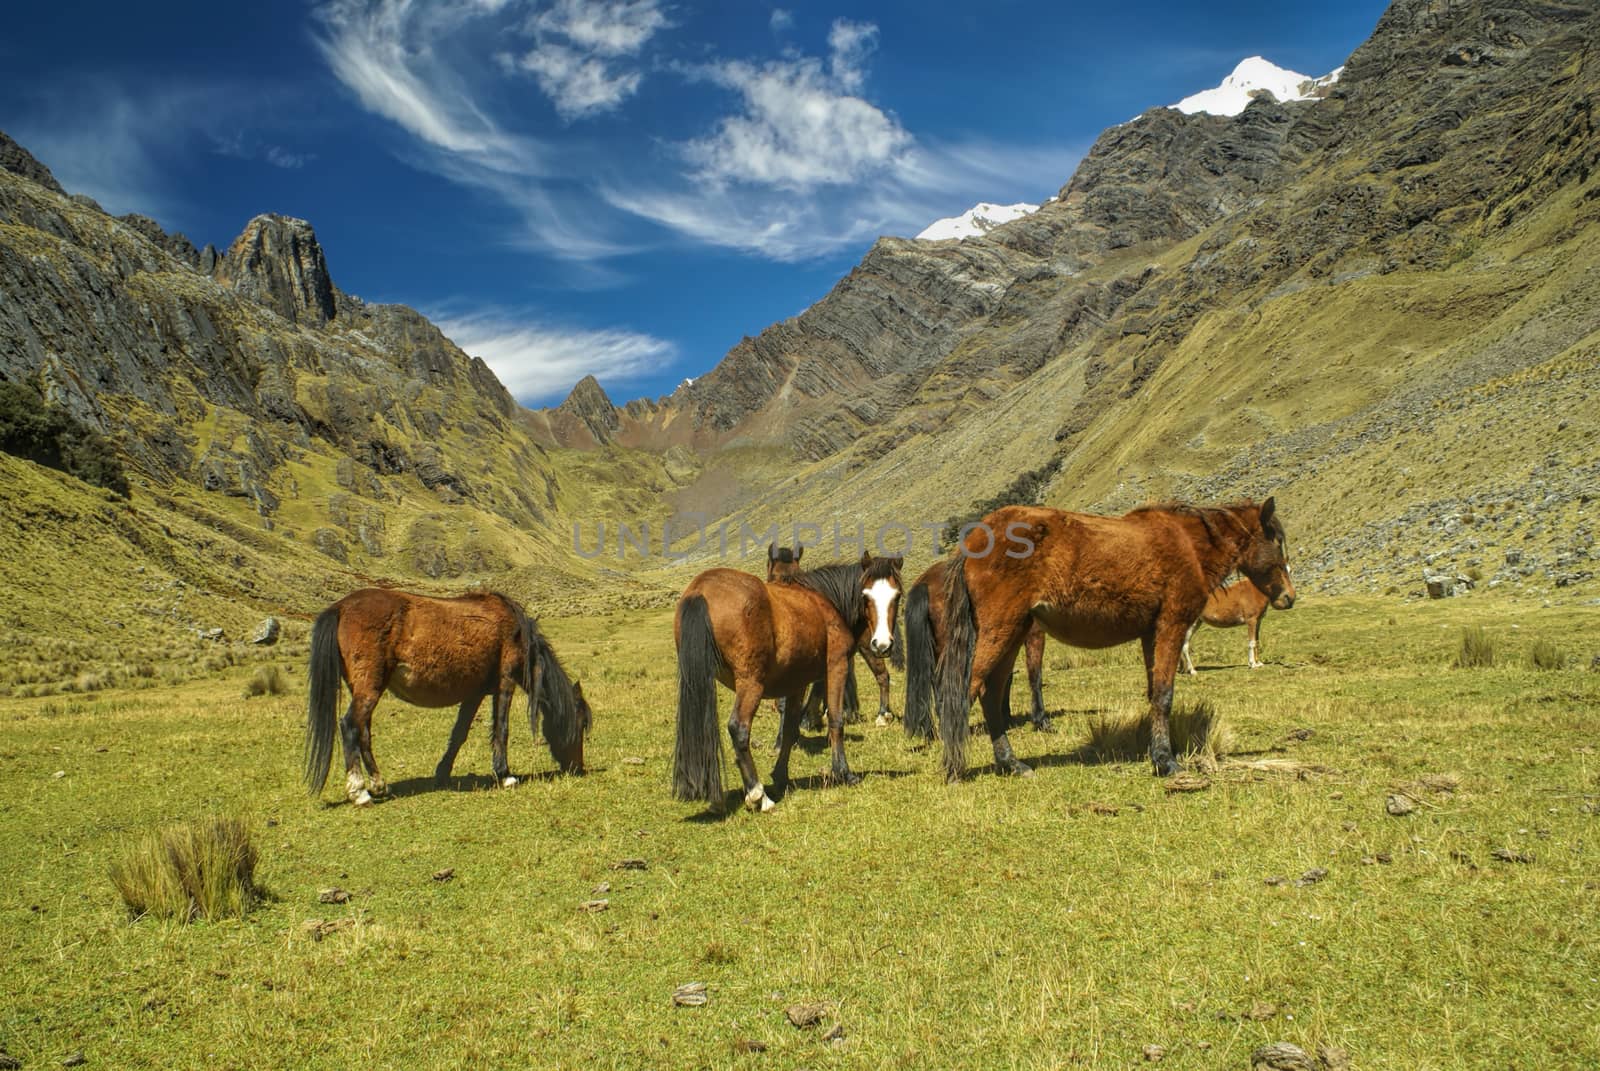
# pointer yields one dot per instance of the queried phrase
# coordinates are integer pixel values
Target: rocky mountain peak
(19, 161)
(278, 261)
(590, 404)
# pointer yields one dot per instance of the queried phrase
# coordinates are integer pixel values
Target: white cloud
(539, 363)
(849, 45)
(802, 126)
(782, 20)
(605, 27)
(578, 85)
(384, 52)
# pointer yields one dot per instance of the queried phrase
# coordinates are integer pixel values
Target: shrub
(267, 680)
(47, 434)
(201, 870)
(1196, 729)
(1546, 655)
(1477, 649)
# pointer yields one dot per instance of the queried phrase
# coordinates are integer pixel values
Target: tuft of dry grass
(266, 680)
(1477, 649)
(1196, 729)
(199, 870)
(1546, 655)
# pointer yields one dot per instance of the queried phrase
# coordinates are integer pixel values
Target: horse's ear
(1268, 508)
(799, 549)
(577, 689)
(866, 558)
(772, 552)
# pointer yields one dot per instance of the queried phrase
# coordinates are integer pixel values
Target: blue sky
(623, 187)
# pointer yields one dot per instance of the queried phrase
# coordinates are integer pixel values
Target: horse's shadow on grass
(733, 801)
(419, 786)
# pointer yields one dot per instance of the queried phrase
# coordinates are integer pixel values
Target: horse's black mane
(843, 584)
(782, 554)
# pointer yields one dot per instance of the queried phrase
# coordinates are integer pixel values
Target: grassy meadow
(1070, 919)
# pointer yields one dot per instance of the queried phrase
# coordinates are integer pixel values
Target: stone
(1281, 1056)
(266, 633)
(1399, 805)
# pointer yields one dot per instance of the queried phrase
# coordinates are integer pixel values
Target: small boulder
(267, 632)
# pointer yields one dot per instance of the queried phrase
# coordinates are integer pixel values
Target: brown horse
(783, 563)
(769, 641)
(924, 643)
(1232, 605)
(1091, 581)
(433, 653)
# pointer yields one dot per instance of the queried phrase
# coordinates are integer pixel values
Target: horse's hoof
(362, 799)
(1166, 766)
(883, 720)
(850, 779)
(1020, 769)
(1043, 725)
(508, 781)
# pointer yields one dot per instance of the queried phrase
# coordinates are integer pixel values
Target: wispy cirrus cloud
(800, 163)
(538, 362)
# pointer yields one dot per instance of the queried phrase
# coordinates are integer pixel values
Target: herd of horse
(1021, 574)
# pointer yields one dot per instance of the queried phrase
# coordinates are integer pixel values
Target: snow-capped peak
(1250, 77)
(979, 219)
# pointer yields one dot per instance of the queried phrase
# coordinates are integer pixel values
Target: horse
(433, 653)
(1091, 581)
(769, 641)
(1234, 604)
(925, 640)
(784, 562)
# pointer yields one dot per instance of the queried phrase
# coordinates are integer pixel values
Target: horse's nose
(1286, 600)
(880, 648)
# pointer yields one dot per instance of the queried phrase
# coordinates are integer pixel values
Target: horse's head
(1266, 558)
(783, 562)
(880, 583)
(570, 755)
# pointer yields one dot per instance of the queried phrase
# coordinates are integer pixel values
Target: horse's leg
(1034, 646)
(788, 733)
(1188, 663)
(996, 705)
(746, 701)
(880, 670)
(458, 736)
(1161, 656)
(838, 671)
(356, 732)
(812, 722)
(1254, 625)
(502, 729)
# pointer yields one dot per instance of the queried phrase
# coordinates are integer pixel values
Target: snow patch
(1251, 77)
(979, 219)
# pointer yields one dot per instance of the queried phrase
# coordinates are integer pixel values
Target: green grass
(1069, 919)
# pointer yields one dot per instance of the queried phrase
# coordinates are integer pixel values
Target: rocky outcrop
(278, 262)
(20, 162)
(589, 405)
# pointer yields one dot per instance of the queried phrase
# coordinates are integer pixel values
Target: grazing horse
(769, 641)
(924, 642)
(433, 653)
(783, 563)
(1232, 605)
(1091, 581)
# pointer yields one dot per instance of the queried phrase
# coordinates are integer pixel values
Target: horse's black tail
(564, 726)
(323, 709)
(697, 753)
(919, 665)
(955, 667)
